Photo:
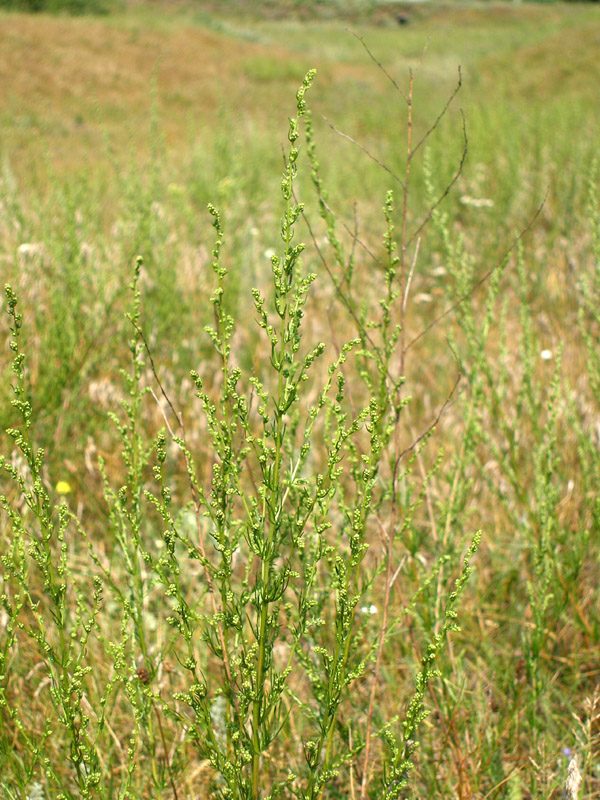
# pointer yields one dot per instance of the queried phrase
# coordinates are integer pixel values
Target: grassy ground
(114, 134)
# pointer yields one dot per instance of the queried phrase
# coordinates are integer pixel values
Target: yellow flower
(62, 487)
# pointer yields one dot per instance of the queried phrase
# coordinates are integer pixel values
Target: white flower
(368, 609)
(269, 253)
(546, 355)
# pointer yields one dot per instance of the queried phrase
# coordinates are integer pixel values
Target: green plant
(251, 590)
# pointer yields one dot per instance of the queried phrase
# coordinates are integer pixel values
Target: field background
(116, 131)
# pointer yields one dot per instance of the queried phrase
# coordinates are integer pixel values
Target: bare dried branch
(432, 425)
(364, 150)
(446, 191)
(481, 281)
(440, 116)
(379, 64)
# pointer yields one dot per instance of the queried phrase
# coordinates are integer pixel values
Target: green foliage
(75, 7)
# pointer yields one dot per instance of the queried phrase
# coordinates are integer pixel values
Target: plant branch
(196, 501)
(481, 281)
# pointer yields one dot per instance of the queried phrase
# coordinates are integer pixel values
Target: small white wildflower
(269, 253)
(573, 781)
(546, 355)
(368, 609)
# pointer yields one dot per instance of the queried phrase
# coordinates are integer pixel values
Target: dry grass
(80, 79)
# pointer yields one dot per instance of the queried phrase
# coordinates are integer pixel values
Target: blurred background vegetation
(331, 8)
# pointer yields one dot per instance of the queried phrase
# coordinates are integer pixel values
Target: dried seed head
(143, 675)
(573, 781)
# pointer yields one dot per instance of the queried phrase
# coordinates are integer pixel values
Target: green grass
(149, 613)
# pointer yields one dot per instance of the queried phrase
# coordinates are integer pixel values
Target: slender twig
(379, 64)
(355, 240)
(197, 511)
(364, 150)
(428, 500)
(167, 759)
(447, 402)
(140, 333)
(449, 186)
(410, 276)
(440, 116)
(352, 791)
(345, 301)
(398, 571)
(162, 411)
(481, 281)
(403, 238)
(351, 233)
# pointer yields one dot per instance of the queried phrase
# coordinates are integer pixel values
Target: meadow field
(300, 406)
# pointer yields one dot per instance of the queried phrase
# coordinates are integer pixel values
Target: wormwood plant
(532, 444)
(219, 636)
